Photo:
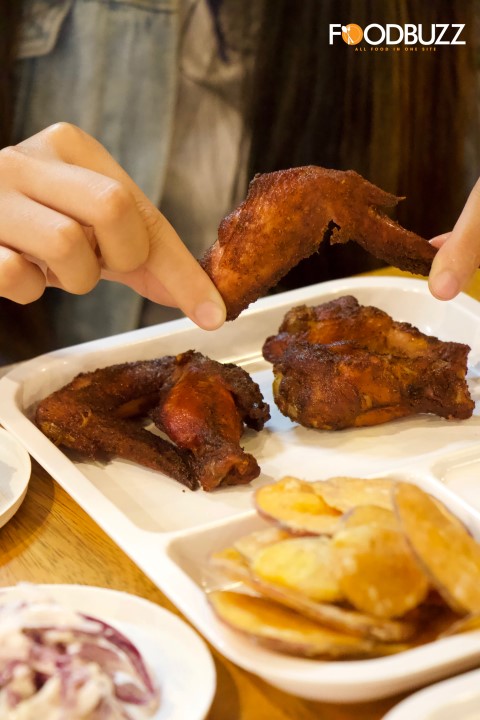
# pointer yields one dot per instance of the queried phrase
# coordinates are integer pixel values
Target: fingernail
(209, 315)
(445, 285)
(439, 240)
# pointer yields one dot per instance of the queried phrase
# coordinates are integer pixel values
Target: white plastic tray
(169, 531)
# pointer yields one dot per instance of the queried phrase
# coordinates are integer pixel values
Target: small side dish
(57, 663)
(350, 568)
(15, 469)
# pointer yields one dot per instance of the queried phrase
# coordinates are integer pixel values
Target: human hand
(459, 251)
(70, 215)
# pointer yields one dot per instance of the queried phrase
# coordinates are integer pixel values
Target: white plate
(176, 656)
(169, 531)
(454, 699)
(15, 468)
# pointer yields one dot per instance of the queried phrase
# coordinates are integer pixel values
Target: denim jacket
(79, 59)
(108, 66)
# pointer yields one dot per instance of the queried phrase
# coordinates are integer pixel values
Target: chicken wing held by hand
(201, 404)
(342, 365)
(285, 217)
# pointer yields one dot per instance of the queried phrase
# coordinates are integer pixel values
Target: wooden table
(51, 539)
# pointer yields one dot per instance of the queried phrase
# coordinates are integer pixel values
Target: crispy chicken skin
(285, 217)
(203, 407)
(199, 403)
(344, 319)
(341, 365)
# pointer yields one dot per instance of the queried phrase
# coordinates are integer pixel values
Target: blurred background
(193, 97)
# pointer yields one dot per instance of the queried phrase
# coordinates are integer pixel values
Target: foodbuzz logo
(392, 35)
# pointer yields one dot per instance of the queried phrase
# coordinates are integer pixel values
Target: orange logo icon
(352, 34)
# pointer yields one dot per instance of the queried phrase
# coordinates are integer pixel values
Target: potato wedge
(295, 506)
(249, 545)
(235, 567)
(393, 572)
(345, 493)
(232, 562)
(377, 571)
(453, 518)
(284, 630)
(443, 547)
(305, 565)
(368, 515)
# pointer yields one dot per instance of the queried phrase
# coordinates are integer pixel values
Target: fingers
(170, 269)
(459, 255)
(73, 176)
(92, 199)
(183, 278)
(20, 280)
(26, 225)
(173, 277)
(439, 240)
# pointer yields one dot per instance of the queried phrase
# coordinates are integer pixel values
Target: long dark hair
(25, 330)
(10, 15)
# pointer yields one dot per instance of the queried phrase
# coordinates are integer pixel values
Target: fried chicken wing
(203, 407)
(285, 217)
(342, 365)
(344, 319)
(200, 404)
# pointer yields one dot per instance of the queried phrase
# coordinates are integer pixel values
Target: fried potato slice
(398, 572)
(249, 545)
(294, 505)
(443, 547)
(284, 630)
(305, 565)
(452, 518)
(345, 493)
(235, 567)
(371, 515)
(232, 562)
(377, 571)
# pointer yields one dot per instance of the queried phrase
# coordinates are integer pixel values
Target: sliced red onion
(81, 662)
